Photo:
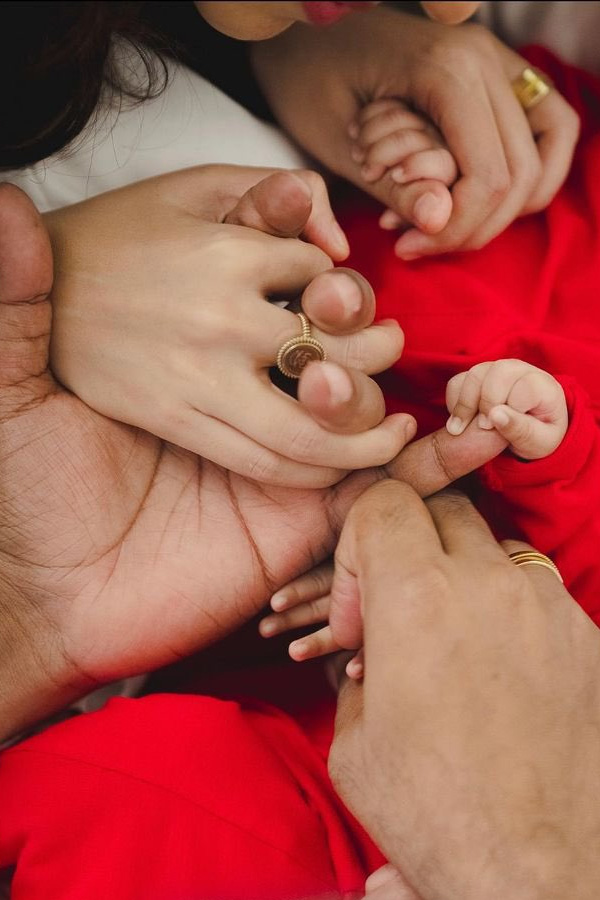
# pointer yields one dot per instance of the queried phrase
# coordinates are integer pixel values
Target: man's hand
(510, 162)
(470, 752)
(119, 552)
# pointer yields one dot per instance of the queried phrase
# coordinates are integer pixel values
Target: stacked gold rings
(531, 87)
(296, 353)
(533, 558)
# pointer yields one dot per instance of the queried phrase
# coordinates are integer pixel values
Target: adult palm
(119, 552)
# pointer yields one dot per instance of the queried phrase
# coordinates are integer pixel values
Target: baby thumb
(25, 312)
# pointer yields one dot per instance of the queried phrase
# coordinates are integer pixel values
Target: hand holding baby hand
(523, 403)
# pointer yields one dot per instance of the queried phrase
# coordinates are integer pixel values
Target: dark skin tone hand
(120, 553)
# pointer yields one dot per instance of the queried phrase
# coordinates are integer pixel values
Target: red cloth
(532, 294)
(181, 797)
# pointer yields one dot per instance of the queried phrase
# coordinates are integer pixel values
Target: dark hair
(54, 61)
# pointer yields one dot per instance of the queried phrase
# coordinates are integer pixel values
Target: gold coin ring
(296, 353)
(531, 87)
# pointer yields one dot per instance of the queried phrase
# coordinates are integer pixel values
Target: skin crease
(259, 21)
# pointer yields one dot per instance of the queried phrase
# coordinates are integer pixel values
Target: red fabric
(532, 294)
(181, 797)
(173, 797)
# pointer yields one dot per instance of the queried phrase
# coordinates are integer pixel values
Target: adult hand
(470, 753)
(119, 552)
(510, 162)
(161, 321)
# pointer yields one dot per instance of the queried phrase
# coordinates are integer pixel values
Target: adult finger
(555, 127)
(436, 460)
(221, 442)
(371, 350)
(25, 282)
(462, 530)
(265, 414)
(288, 204)
(341, 400)
(340, 301)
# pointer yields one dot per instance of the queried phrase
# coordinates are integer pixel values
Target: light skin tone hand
(470, 749)
(119, 552)
(510, 162)
(142, 338)
(527, 408)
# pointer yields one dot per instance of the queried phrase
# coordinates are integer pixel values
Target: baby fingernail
(357, 154)
(340, 239)
(389, 220)
(277, 602)
(266, 628)
(353, 130)
(501, 418)
(426, 208)
(398, 174)
(339, 384)
(455, 425)
(484, 422)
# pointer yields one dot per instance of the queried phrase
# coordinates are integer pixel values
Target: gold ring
(296, 353)
(531, 87)
(533, 558)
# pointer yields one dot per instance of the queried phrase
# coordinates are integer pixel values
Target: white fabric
(191, 123)
(570, 28)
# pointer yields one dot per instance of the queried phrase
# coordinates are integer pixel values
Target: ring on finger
(296, 353)
(531, 87)
(534, 558)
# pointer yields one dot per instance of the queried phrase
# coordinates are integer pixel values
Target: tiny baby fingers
(320, 643)
(437, 164)
(309, 586)
(390, 119)
(310, 613)
(463, 393)
(392, 150)
(527, 436)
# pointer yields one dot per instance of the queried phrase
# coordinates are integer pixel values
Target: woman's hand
(510, 162)
(470, 752)
(119, 552)
(161, 320)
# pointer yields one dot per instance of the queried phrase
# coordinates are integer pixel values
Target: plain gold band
(533, 558)
(531, 87)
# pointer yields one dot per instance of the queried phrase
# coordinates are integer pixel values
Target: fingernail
(426, 208)
(340, 240)
(357, 154)
(266, 628)
(339, 384)
(278, 601)
(353, 130)
(455, 425)
(398, 174)
(484, 422)
(389, 220)
(410, 430)
(501, 418)
(297, 649)
(368, 173)
(354, 669)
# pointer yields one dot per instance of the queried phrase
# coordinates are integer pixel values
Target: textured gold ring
(296, 353)
(533, 558)
(531, 87)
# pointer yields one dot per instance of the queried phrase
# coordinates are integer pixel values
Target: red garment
(532, 294)
(196, 798)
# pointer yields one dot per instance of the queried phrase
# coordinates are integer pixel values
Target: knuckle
(262, 466)
(306, 444)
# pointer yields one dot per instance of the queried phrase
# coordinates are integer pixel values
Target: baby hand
(304, 601)
(390, 139)
(524, 404)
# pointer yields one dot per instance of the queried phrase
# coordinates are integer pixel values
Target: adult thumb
(25, 312)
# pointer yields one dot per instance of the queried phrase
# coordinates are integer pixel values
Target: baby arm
(390, 139)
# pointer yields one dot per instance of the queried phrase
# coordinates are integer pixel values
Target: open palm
(122, 552)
